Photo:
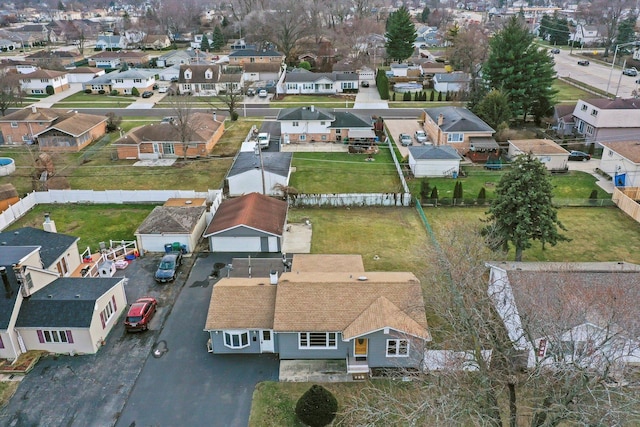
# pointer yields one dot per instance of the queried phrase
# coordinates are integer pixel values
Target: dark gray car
(168, 267)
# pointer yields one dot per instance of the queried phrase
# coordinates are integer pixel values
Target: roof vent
(362, 278)
(49, 296)
(188, 202)
(77, 295)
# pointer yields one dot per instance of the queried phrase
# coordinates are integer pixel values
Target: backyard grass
(344, 173)
(569, 93)
(94, 168)
(597, 234)
(572, 185)
(91, 223)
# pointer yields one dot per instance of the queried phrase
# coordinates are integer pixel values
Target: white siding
(434, 168)
(235, 244)
(612, 163)
(156, 242)
(251, 181)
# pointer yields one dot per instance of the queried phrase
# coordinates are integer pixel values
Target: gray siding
(217, 339)
(288, 346)
(377, 356)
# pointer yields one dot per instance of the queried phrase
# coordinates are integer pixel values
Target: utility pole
(259, 153)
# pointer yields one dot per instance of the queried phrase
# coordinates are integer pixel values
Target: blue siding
(217, 339)
(377, 351)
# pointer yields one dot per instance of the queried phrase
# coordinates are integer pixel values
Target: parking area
(396, 127)
(91, 390)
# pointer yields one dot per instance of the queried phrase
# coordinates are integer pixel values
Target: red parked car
(140, 314)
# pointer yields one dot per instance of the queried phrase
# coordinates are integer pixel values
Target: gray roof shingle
(276, 163)
(53, 245)
(430, 152)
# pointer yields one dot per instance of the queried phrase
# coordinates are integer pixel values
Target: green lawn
(572, 185)
(85, 100)
(91, 223)
(598, 234)
(568, 93)
(344, 173)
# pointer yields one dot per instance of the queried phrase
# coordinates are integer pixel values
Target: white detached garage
(250, 223)
(434, 161)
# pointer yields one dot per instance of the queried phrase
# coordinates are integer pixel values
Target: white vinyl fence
(24, 205)
(351, 199)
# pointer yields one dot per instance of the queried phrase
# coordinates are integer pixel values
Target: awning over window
(479, 144)
(361, 133)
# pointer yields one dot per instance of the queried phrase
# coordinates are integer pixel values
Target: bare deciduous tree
(182, 120)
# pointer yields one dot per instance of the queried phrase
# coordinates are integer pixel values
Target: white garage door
(236, 244)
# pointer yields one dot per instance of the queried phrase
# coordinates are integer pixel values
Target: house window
(37, 91)
(323, 137)
(107, 312)
(14, 124)
(26, 80)
(303, 137)
(167, 148)
(322, 123)
(307, 86)
(292, 86)
(236, 339)
(186, 86)
(187, 75)
(594, 112)
(584, 108)
(294, 124)
(137, 80)
(581, 126)
(455, 137)
(317, 340)
(28, 280)
(397, 348)
(208, 74)
(119, 80)
(589, 130)
(44, 80)
(62, 267)
(55, 336)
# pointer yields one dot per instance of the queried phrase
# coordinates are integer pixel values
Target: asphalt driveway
(91, 390)
(188, 386)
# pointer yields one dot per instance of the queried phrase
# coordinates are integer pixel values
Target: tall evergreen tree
(217, 41)
(204, 44)
(523, 210)
(545, 27)
(523, 71)
(401, 33)
(626, 31)
(559, 31)
(424, 15)
(494, 109)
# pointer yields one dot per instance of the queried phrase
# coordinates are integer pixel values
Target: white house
(305, 82)
(553, 156)
(37, 82)
(84, 74)
(249, 170)
(621, 161)
(602, 119)
(434, 161)
(320, 125)
(580, 313)
(123, 81)
(111, 42)
(451, 82)
(586, 35)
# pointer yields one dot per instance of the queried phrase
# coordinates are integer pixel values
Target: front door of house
(360, 350)
(266, 341)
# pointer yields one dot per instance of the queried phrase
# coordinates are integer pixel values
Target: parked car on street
(263, 93)
(633, 72)
(147, 94)
(251, 91)
(555, 51)
(579, 156)
(163, 89)
(421, 136)
(140, 314)
(168, 268)
(583, 62)
(405, 140)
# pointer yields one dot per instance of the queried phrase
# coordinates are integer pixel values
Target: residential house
(249, 223)
(587, 35)
(366, 74)
(22, 40)
(34, 34)
(303, 82)
(72, 131)
(399, 70)
(455, 126)
(582, 313)
(199, 79)
(430, 69)
(42, 309)
(553, 156)
(251, 172)
(36, 83)
(261, 71)
(451, 82)
(156, 41)
(84, 74)
(621, 161)
(176, 57)
(177, 221)
(111, 42)
(366, 319)
(163, 140)
(122, 81)
(44, 58)
(311, 124)
(563, 119)
(68, 127)
(21, 67)
(247, 56)
(7, 45)
(114, 59)
(426, 37)
(600, 119)
(434, 161)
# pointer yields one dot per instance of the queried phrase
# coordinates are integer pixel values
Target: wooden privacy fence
(626, 199)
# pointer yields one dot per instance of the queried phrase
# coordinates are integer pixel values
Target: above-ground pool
(7, 166)
(407, 87)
